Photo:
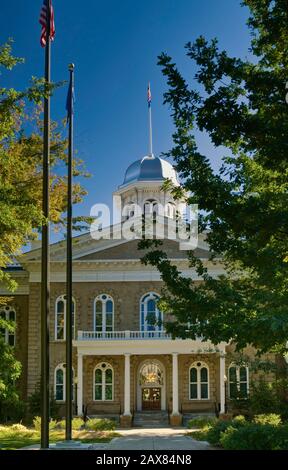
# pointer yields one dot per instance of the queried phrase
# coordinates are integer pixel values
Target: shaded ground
(11, 439)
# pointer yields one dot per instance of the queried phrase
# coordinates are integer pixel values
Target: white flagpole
(150, 124)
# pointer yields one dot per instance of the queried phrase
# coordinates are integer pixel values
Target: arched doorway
(151, 391)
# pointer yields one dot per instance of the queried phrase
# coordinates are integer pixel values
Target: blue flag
(70, 101)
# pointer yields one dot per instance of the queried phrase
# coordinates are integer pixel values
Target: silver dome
(150, 169)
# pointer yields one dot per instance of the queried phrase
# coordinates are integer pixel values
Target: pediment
(85, 248)
(130, 251)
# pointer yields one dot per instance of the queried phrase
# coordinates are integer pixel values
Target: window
(151, 207)
(60, 383)
(170, 210)
(151, 374)
(60, 318)
(103, 382)
(103, 313)
(151, 318)
(238, 381)
(8, 314)
(199, 381)
(129, 211)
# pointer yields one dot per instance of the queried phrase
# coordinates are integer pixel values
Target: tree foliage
(21, 217)
(21, 151)
(240, 104)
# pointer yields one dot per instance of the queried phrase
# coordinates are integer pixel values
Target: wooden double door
(151, 398)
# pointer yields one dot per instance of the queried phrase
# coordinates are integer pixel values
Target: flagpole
(45, 285)
(150, 132)
(150, 123)
(69, 300)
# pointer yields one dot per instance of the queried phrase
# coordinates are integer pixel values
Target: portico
(147, 370)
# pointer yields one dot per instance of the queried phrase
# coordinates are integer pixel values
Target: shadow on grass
(10, 440)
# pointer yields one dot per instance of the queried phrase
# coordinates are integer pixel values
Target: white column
(127, 411)
(80, 384)
(222, 383)
(175, 385)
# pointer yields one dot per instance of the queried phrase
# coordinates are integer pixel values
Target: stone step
(151, 419)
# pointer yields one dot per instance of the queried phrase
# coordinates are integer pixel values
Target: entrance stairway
(151, 419)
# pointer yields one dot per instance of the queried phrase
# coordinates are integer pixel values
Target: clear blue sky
(114, 45)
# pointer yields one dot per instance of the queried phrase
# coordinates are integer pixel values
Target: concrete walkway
(156, 439)
(148, 439)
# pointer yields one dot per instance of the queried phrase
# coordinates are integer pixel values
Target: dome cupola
(150, 168)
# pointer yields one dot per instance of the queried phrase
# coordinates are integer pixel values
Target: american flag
(149, 96)
(43, 22)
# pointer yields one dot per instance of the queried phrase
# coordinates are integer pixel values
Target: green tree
(10, 370)
(21, 150)
(240, 104)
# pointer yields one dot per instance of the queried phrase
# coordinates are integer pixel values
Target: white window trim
(238, 379)
(152, 203)
(7, 332)
(194, 365)
(63, 368)
(103, 371)
(150, 296)
(104, 312)
(61, 297)
(170, 210)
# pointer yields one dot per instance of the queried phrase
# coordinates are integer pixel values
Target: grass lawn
(11, 438)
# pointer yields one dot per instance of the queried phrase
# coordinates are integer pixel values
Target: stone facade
(126, 295)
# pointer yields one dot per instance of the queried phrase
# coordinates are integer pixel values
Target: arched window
(103, 382)
(60, 383)
(199, 381)
(171, 210)
(103, 313)
(238, 381)
(8, 314)
(151, 207)
(60, 318)
(129, 210)
(151, 318)
(151, 374)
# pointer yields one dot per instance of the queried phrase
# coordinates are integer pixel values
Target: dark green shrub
(281, 438)
(255, 437)
(34, 404)
(215, 432)
(263, 399)
(12, 411)
(267, 398)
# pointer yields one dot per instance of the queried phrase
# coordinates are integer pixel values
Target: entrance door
(151, 398)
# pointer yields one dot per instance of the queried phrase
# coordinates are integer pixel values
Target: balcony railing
(121, 335)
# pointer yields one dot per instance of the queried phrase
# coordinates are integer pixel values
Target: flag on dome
(149, 96)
